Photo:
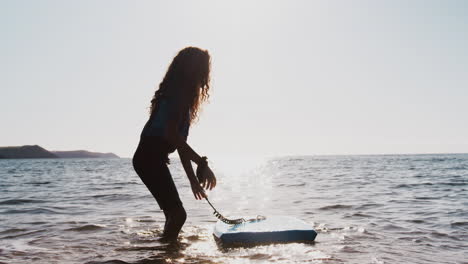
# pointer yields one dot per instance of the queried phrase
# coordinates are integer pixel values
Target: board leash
(233, 221)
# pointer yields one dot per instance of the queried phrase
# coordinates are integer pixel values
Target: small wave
(459, 183)
(13, 230)
(416, 221)
(393, 227)
(145, 220)
(150, 248)
(260, 256)
(19, 201)
(336, 206)
(419, 239)
(368, 205)
(459, 224)
(113, 196)
(23, 234)
(439, 159)
(38, 183)
(295, 159)
(349, 249)
(425, 198)
(86, 228)
(358, 215)
(443, 235)
(31, 211)
(115, 261)
(402, 186)
(413, 185)
(458, 168)
(36, 223)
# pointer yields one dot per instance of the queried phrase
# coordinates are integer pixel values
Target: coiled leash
(233, 221)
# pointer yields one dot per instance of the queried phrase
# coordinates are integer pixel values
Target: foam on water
(366, 209)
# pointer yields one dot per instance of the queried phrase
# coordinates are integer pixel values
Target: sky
(288, 77)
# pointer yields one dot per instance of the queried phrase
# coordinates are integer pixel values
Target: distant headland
(38, 152)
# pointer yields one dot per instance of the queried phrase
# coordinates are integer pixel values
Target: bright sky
(289, 77)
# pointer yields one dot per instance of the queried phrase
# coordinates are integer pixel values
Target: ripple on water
(114, 261)
(358, 215)
(85, 228)
(24, 233)
(20, 201)
(38, 182)
(13, 230)
(31, 211)
(459, 225)
(336, 207)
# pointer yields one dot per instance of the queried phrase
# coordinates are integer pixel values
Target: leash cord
(233, 221)
(224, 219)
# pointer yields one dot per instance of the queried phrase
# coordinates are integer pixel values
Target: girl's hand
(206, 177)
(198, 191)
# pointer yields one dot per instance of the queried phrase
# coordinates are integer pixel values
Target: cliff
(26, 152)
(37, 152)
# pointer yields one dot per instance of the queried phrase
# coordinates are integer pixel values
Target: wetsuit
(151, 157)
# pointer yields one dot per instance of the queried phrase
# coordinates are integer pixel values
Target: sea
(365, 209)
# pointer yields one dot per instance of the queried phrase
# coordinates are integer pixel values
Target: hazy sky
(289, 77)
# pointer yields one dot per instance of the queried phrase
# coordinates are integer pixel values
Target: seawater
(366, 209)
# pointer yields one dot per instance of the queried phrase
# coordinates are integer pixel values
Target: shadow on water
(163, 253)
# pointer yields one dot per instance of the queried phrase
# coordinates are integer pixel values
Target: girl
(174, 107)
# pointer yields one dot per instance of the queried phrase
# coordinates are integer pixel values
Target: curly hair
(187, 77)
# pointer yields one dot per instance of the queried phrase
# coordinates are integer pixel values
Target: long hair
(187, 77)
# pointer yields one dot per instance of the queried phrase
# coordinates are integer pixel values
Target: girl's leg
(157, 178)
(174, 222)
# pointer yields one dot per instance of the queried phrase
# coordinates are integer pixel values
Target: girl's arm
(197, 190)
(187, 154)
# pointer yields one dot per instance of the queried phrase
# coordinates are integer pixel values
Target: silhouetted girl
(174, 107)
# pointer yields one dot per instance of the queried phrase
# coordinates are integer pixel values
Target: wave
(13, 230)
(441, 235)
(426, 198)
(38, 182)
(459, 225)
(336, 206)
(31, 211)
(358, 215)
(86, 228)
(23, 234)
(19, 201)
(453, 183)
(416, 221)
(368, 205)
(114, 261)
(145, 220)
(413, 185)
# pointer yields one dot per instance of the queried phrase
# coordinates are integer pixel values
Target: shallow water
(366, 209)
